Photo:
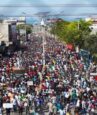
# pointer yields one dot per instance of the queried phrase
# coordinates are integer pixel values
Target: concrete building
(8, 31)
(4, 34)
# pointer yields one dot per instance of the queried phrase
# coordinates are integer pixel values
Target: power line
(48, 5)
(36, 15)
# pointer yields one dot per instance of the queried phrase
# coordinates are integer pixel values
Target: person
(21, 107)
(61, 112)
(8, 110)
(1, 104)
(50, 106)
(15, 104)
(68, 113)
(78, 104)
(32, 111)
(54, 109)
(63, 83)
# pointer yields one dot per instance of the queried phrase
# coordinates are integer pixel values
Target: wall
(4, 32)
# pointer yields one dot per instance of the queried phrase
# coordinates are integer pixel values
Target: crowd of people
(63, 86)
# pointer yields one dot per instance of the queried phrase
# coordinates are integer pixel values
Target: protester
(62, 84)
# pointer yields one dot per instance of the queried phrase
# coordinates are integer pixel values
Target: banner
(93, 74)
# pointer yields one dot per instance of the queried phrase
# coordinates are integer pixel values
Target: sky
(51, 8)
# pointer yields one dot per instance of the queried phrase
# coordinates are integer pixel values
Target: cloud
(54, 10)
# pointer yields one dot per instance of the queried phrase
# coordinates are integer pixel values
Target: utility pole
(43, 40)
(78, 24)
(25, 25)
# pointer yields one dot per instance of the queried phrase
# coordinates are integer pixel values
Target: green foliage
(76, 33)
(90, 43)
(59, 28)
(72, 32)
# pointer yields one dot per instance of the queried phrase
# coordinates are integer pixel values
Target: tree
(90, 43)
(70, 33)
(58, 28)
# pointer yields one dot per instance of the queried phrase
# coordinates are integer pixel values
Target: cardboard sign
(30, 83)
(93, 74)
(7, 105)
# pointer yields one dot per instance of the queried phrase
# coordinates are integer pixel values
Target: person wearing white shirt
(61, 112)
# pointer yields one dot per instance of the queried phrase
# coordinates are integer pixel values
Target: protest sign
(30, 83)
(7, 105)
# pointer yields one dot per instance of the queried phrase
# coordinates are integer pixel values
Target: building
(53, 20)
(8, 32)
(4, 32)
(93, 27)
(21, 20)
